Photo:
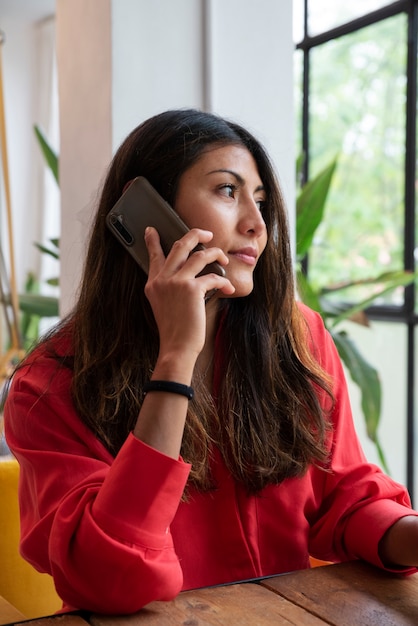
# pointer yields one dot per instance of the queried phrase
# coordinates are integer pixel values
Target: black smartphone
(141, 206)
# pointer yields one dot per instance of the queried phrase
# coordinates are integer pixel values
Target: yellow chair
(29, 591)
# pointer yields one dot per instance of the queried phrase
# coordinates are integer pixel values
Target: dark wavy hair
(268, 420)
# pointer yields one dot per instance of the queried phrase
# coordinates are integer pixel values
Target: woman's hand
(177, 295)
(177, 298)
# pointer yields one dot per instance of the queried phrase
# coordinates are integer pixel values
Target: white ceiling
(31, 10)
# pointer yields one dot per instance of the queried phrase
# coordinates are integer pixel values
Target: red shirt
(114, 534)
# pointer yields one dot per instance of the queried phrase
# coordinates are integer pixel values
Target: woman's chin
(242, 288)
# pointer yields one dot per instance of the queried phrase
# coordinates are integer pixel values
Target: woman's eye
(261, 205)
(228, 189)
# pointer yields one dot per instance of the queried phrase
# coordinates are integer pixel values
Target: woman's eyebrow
(237, 176)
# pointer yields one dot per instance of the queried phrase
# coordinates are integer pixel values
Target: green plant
(51, 159)
(33, 305)
(310, 208)
(50, 156)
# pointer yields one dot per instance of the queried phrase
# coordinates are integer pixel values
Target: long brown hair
(268, 419)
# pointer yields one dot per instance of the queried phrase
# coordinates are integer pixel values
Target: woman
(130, 490)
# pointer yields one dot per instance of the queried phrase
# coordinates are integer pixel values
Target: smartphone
(141, 206)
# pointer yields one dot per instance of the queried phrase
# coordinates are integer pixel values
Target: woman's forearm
(160, 423)
(399, 545)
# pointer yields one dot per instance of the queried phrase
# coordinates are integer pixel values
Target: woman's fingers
(155, 252)
(183, 252)
(177, 292)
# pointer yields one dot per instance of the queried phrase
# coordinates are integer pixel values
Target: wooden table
(349, 594)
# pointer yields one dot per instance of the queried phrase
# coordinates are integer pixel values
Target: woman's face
(222, 192)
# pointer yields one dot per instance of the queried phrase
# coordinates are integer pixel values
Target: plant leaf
(365, 376)
(310, 206)
(367, 379)
(384, 283)
(308, 295)
(46, 250)
(381, 456)
(37, 304)
(55, 242)
(397, 276)
(50, 156)
(29, 324)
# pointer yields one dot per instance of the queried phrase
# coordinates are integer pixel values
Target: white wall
(157, 58)
(19, 53)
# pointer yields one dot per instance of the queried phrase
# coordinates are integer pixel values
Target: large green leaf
(29, 324)
(37, 304)
(34, 306)
(308, 295)
(384, 283)
(50, 156)
(367, 379)
(49, 251)
(310, 206)
(397, 276)
(365, 376)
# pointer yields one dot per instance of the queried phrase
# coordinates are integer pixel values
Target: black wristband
(170, 387)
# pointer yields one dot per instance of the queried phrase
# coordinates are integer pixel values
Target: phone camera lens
(116, 221)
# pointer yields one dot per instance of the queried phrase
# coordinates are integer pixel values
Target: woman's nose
(252, 219)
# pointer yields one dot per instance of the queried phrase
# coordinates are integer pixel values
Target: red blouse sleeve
(99, 525)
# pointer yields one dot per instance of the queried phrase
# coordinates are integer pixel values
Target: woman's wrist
(175, 367)
(169, 386)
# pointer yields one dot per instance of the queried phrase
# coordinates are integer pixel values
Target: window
(356, 77)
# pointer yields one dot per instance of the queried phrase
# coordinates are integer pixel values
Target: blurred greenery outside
(357, 111)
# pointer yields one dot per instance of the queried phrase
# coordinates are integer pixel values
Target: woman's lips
(246, 255)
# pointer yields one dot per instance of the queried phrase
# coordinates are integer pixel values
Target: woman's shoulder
(52, 354)
(318, 337)
(312, 318)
